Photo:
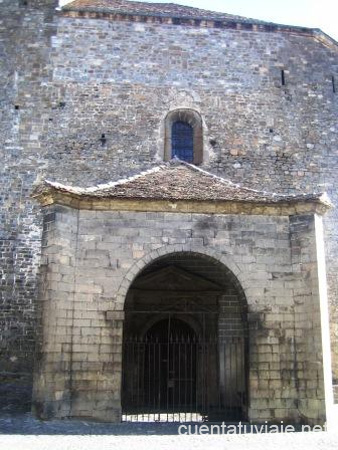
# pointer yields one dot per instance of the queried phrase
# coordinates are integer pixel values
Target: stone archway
(190, 375)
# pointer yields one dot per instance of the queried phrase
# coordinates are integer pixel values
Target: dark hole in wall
(283, 77)
(103, 139)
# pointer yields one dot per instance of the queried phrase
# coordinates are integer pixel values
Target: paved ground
(23, 432)
(25, 423)
(305, 441)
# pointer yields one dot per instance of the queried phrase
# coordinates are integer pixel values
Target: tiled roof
(175, 181)
(151, 9)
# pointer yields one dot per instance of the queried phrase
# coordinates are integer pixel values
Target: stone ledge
(115, 315)
(186, 206)
(202, 22)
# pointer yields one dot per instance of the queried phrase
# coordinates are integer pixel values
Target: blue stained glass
(182, 141)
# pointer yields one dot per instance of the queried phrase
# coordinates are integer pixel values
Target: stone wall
(24, 71)
(66, 81)
(257, 131)
(93, 257)
(233, 78)
(311, 339)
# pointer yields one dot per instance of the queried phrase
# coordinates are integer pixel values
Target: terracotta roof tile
(174, 181)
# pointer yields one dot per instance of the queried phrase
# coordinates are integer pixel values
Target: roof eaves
(324, 37)
(160, 14)
(317, 33)
(100, 192)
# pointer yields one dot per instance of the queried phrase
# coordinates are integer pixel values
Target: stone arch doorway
(185, 342)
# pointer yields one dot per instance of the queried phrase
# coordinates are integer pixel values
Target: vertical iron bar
(124, 383)
(154, 379)
(180, 377)
(172, 381)
(232, 375)
(207, 385)
(185, 376)
(168, 365)
(190, 381)
(220, 356)
(195, 351)
(236, 376)
(138, 378)
(142, 399)
(159, 381)
(226, 376)
(148, 374)
(203, 367)
(133, 379)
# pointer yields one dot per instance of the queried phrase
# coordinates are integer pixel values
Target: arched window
(183, 136)
(182, 141)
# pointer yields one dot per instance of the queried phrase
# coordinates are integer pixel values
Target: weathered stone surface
(66, 81)
(286, 364)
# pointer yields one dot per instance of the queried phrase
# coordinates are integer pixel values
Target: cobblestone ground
(23, 432)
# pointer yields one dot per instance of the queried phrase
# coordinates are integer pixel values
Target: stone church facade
(136, 278)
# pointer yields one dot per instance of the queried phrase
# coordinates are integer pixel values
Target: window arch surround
(192, 118)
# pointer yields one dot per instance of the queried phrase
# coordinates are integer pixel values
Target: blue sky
(310, 13)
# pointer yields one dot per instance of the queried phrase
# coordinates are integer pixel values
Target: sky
(321, 14)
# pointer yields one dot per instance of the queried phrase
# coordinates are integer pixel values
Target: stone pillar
(79, 364)
(312, 339)
(54, 381)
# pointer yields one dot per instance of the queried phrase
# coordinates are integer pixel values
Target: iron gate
(184, 378)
